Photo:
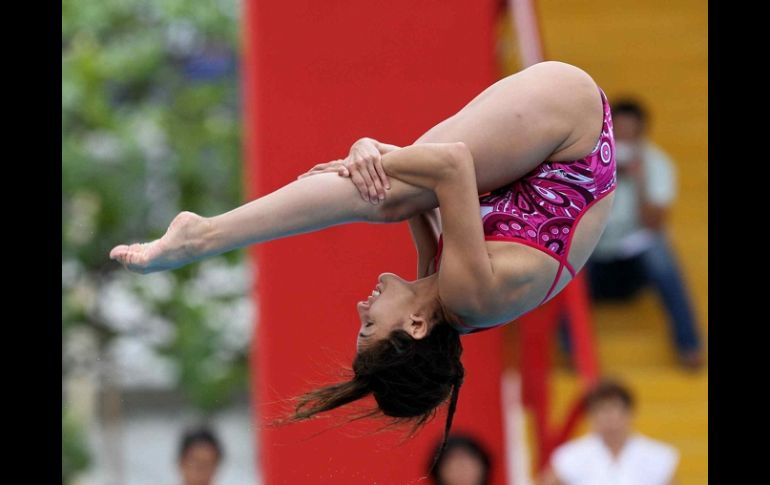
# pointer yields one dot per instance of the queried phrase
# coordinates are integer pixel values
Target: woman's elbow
(459, 156)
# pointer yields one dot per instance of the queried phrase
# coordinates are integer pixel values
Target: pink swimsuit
(542, 209)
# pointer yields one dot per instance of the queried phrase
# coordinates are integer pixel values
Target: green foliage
(142, 141)
(74, 454)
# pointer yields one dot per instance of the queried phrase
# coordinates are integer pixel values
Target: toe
(118, 251)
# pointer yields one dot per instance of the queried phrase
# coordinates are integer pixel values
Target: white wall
(142, 449)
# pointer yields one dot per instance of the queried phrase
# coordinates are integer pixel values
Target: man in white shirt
(634, 250)
(612, 453)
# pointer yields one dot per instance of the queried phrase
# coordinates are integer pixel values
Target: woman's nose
(386, 276)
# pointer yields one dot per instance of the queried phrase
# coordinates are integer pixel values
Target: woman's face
(394, 303)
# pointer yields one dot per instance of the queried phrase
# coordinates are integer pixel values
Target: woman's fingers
(366, 172)
(379, 191)
(362, 167)
(332, 166)
(359, 182)
(316, 172)
(381, 172)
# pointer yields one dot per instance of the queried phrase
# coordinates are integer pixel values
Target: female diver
(505, 200)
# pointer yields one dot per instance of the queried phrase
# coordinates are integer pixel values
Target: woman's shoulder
(516, 278)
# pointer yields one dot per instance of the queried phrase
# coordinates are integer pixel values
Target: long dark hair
(409, 379)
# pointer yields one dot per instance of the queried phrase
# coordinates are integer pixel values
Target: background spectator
(464, 462)
(634, 250)
(199, 457)
(611, 453)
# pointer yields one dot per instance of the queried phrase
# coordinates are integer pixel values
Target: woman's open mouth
(375, 293)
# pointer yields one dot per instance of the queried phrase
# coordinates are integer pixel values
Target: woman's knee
(386, 212)
(396, 209)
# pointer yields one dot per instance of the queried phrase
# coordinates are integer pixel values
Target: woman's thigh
(550, 111)
(522, 121)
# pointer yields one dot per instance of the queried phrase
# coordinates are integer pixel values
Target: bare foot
(176, 248)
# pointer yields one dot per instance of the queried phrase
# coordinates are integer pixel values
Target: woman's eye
(369, 324)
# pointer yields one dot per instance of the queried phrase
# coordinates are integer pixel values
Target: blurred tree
(150, 127)
(74, 454)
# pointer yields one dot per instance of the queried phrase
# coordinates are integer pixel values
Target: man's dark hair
(609, 389)
(199, 435)
(630, 106)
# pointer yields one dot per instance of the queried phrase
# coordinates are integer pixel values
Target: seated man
(634, 251)
(611, 453)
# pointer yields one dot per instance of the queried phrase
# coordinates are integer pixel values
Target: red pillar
(317, 76)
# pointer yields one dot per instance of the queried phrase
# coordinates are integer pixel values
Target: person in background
(464, 462)
(634, 250)
(199, 456)
(611, 453)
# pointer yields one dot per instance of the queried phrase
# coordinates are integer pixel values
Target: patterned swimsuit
(542, 209)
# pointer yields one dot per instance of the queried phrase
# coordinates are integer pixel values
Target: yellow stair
(672, 407)
(657, 49)
(672, 404)
(634, 346)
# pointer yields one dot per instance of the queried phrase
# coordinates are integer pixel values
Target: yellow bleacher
(658, 50)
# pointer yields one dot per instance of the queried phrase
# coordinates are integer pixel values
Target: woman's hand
(364, 166)
(333, 166)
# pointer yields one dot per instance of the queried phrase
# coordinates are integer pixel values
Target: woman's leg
(305, 205)
(311, 204)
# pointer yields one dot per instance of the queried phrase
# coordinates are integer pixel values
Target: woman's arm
(364, 167)
(425, 229)
(382, 147)
(366, 158)
(467, 282)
